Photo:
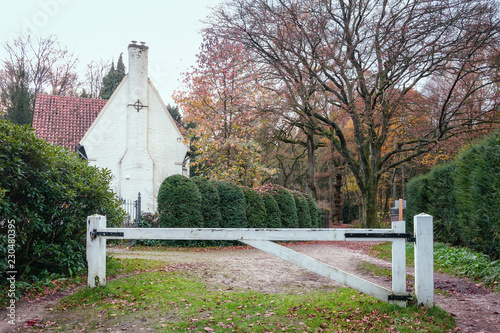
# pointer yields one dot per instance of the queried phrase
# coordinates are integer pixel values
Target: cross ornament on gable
(138, 105)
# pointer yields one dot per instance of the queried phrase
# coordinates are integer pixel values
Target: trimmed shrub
(46, 193)
(463, 198)
(210, 202)
(477, 189)
(255, 208)
(286, 204)
(313, 211)
(232, 205)
(179, 203)
(273, 214)
(434, 194)
(303, 213)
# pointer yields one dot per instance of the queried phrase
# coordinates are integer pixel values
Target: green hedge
(286, 204)
(303, 213)
(210, 202)
(313, 210)
(179, 203)
(255, 209)
(273, 214)
(47, 192)
(434, 194)
(232, 205)
(463, 197)
(477, 184)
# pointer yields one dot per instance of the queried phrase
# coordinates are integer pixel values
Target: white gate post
(424, 259)
(399, 262)
(96, 252)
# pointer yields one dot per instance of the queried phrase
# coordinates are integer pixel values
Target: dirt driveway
(475, 308)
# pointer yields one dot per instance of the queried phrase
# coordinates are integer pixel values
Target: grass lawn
(149, 297)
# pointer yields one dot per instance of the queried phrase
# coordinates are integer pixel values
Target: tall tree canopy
(221, 99)
(398, 77)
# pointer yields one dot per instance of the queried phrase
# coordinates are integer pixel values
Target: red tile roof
(63, 120)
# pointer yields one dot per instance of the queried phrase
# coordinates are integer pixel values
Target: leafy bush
(303, 214)
(464, 262)
(477, 189)
(286, 204)
(313, 211)
(149, 220)
(179, 203)
(210, 202)
(273, 214)
(47, 192)
(232, 205)
(255, 208)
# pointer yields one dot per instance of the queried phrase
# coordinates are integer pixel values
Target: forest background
(345, 101)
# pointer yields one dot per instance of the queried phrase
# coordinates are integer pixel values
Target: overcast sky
(95, 29)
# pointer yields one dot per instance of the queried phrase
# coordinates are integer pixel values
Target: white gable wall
(140, 148)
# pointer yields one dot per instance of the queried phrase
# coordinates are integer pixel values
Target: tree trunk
(370, 206)
(337, 197)
(311, 184)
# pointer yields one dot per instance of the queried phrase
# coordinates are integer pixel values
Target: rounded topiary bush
(286, 204)
(210, 202)
(255, 208)
(232, 205)
(313, 211)
(179, 203)
(303, 214)
(273, 214)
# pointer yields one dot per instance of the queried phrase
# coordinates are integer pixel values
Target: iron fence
(133, 210)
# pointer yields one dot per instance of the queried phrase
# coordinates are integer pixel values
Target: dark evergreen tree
(18, 99)
(120, 69)
(113, 78)
(174, 112)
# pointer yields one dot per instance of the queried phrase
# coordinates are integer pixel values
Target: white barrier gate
(263, 239)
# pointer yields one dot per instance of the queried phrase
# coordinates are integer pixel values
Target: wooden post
(401, 211)
(96, 252)
(424, 260)
(399, 262)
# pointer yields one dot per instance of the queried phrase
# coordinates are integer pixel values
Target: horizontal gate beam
(323, 269)
(246, 234)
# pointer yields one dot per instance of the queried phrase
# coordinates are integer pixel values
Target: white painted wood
(261, 239)
(424, 260)
(96, 252)
(247, 234)
(320, 268)
(399, 263)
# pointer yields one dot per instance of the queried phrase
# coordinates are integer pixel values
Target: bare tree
(372, 58)
(96, 70)
(51, 68)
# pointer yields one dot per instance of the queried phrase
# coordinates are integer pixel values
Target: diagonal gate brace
(321, 268)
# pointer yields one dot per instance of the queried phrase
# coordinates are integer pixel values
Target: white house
(132, 133)
(135, 137)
